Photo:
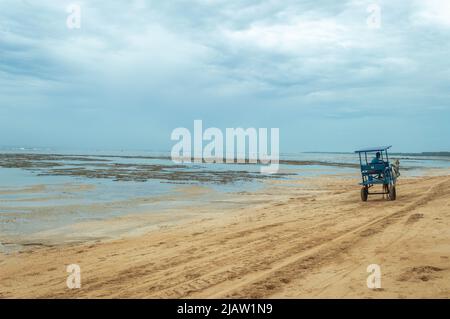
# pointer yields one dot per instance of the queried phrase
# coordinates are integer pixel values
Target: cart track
(265, 283)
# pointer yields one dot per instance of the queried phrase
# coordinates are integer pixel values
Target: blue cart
(376, 169)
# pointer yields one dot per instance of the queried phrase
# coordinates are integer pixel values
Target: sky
(320, 71)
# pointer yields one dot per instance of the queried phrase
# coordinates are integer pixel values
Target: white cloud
(432, 12)
(188, 51)
(295, 38)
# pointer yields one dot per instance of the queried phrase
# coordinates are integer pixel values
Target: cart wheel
(386, 191)
(364, 194)
(392, 192)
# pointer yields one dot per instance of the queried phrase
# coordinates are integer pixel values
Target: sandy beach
(305, 238)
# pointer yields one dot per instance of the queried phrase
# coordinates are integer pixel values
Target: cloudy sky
(136, 70)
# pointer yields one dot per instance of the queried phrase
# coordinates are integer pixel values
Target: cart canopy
(373, 149)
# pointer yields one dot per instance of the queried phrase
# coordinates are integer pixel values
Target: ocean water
(32, 201)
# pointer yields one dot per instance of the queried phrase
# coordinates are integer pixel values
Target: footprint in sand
(420, 273)
(414, 218)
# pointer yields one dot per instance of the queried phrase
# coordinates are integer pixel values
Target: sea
(43, 189)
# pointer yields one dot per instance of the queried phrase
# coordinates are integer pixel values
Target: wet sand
(104, 167)
(311, 237)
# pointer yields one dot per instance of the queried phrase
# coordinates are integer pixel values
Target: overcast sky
(136, 70)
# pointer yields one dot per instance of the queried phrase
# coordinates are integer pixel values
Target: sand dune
(311, 238)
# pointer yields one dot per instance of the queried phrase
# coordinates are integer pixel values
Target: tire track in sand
(266, 282)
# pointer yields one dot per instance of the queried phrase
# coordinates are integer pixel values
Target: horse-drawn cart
(378, 170)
